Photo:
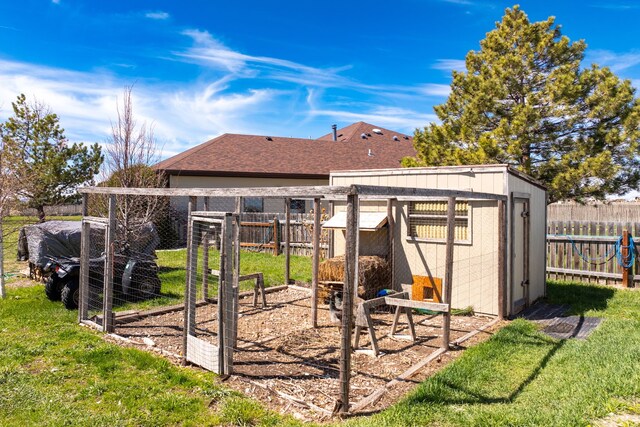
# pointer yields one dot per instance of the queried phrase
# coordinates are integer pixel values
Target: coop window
(428, 221)
(253, 204)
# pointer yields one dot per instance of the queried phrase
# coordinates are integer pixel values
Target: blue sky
(286, 68)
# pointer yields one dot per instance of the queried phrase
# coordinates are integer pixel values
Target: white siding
(227, 204)
(537, 234)
(475, 277)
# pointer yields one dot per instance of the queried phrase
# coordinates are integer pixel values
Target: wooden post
(235, 285)
(276, 236)
(626, 256)
(222, 321)
(85, 244)
(230, 295)
(448, 274)
(185, 327)
(316, 262)
(107, 313)
(502, 259)
(83, 306)
(330, 251)
(192, 272)
(391, 241)
(350, 282)
(287, 240)
(205, 257)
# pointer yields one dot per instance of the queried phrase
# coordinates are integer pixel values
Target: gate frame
(228, 286)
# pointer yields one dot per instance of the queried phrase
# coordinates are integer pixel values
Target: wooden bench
(258, 287)
(403, 304)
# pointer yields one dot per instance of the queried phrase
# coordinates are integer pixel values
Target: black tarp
(49, 239)
(40, 242)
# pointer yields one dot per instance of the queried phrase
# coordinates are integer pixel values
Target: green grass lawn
(172, 273)
(522, 377)
(54, 373)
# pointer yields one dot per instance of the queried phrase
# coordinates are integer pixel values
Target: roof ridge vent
(395, 138)
(363, 136)
(376, 130)
(268, 138)
(370, 153)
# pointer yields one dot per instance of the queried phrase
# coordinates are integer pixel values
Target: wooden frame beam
(326, 191)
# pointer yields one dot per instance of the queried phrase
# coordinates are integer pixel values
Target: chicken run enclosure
(331, 336)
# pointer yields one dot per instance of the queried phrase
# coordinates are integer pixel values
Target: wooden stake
(85, 242)
(205, 257)
(276, 236)
(448, 275)
(625, 257)
(287, 240)
(107, 323)
(191, 206)
(350, 282)
(392, 250)
(316, 262)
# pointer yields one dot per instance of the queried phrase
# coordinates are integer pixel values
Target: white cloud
(159, 15)
(432, 89)
(615, 61)
(55, 1)
(450, 65)
(210, 52)
(402, 120)
(86, 102)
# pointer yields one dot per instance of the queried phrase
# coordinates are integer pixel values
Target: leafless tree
(130, 152)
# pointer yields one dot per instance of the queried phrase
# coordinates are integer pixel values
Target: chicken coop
(403, 252)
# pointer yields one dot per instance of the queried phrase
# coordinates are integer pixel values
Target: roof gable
(355, 131)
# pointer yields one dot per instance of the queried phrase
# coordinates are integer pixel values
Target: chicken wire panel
(203, 308)
(95, 265)
(422, 260)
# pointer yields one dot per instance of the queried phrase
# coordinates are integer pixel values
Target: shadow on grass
(455, 388)
(518, 343)
(581, 297)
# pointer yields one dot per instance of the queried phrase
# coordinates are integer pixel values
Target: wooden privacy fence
(591, 251)
(264, 232)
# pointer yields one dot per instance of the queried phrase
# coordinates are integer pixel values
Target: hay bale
(374, 274)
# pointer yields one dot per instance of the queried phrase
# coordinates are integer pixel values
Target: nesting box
(426, 288)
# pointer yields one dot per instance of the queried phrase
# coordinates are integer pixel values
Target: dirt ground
(293, 368)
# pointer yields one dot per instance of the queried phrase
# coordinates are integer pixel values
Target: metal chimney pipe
(335, 132)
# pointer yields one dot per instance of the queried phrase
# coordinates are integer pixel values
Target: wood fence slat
(585, 250)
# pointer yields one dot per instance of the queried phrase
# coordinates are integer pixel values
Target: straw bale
(374, 275)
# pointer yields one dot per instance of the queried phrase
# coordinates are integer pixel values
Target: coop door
(519, 255)
(209, 321)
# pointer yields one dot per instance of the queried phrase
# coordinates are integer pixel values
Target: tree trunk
(41, 215)
(525, 159)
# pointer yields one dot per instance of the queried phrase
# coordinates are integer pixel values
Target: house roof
(354, 132)
(255, 155)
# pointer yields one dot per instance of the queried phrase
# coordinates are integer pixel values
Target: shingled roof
(264, 156)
